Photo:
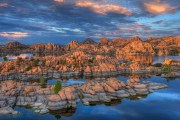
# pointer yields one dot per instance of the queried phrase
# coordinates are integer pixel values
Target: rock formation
(88, 41)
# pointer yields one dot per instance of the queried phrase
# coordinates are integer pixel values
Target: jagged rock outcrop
(45, 48)
(168, 45)
(119, 42)
(104, 41)
(136, 46)
(72, 45)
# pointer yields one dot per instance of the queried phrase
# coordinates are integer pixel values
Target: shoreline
(43, 99)
(58, 75)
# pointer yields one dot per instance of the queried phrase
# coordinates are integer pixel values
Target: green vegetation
(18, 61)
(76, 65)
(156, 51)
(90, 60)
(57, 87)
(36, 62)
(166, 69)
(174, 52)
(63, 62)
(42, 81)
(29, 67)
(5, 58)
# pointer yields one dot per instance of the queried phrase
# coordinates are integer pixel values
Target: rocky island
(43, 99)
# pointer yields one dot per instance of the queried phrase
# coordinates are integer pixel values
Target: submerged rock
(7, 110)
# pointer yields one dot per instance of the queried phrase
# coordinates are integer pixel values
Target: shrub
(42, 81)
(166, 69)
(57, 87)
(90, 60)
(29, 67)
(174, 52)
(36, 62)
(18, 61)
(5, 58)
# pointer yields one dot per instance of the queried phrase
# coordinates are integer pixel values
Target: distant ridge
(88, 41)
(168, 45)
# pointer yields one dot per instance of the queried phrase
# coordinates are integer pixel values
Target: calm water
(161, 105)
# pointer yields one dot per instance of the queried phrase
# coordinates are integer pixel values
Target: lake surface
(161, 105)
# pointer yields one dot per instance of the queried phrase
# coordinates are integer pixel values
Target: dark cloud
(158, 22)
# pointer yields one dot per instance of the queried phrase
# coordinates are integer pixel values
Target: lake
(162, 104)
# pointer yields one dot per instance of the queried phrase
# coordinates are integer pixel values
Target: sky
(60, 21)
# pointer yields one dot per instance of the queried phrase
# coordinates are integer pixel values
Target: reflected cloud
(163, 96)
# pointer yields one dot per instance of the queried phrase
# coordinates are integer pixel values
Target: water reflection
(160, 59)
(162, 104)
(146, 60)
(63, 112)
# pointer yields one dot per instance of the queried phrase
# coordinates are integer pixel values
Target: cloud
(14, 35)
(104, 8)
(60, 1)
(130, 30)
(158, 22)
(3, 4)
(158, 7)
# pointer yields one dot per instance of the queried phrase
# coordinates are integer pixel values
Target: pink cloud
(14, 35)
(158, 7)
(59, 1)
(3, 4)
(104, 8)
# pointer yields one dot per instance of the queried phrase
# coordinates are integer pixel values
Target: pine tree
(57, 87)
